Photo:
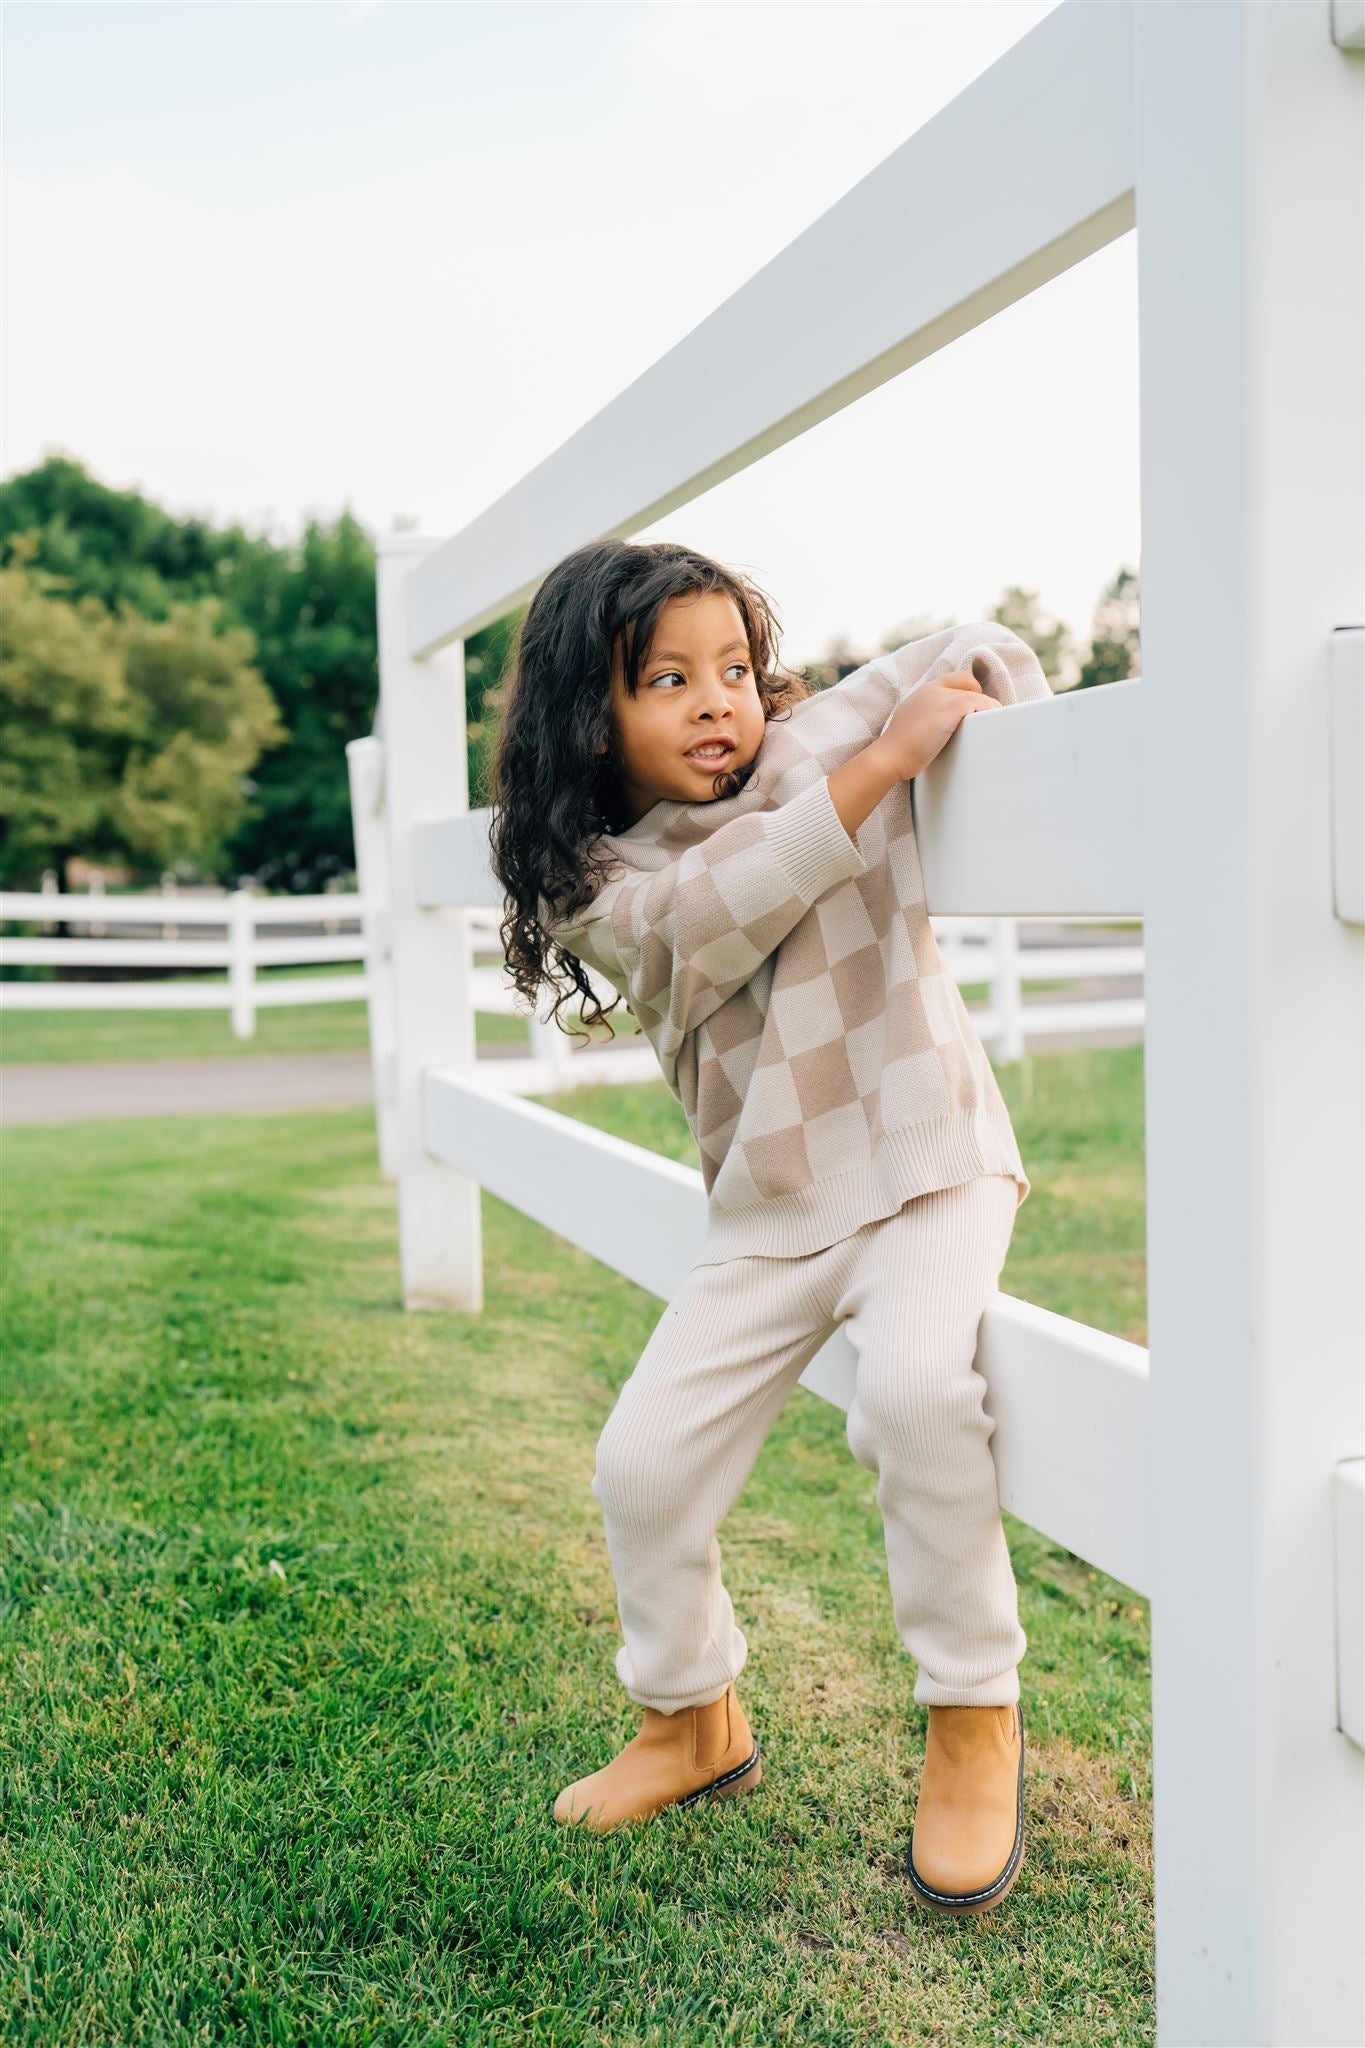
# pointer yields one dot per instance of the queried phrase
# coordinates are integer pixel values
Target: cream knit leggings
(691, 1419)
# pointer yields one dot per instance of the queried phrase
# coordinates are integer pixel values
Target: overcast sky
(268, 258)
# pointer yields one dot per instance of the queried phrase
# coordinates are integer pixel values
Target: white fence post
(1006, 994)
(1250, 151)
(365, 761)
(422, 718)
(241, 964)
(50, 887)
(549, 1043)
(1199, 797)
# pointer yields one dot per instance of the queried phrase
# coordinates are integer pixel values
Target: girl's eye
(671, 674)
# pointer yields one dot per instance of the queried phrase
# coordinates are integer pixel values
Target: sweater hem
(917, 1159)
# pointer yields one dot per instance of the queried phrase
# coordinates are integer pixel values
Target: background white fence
(241, 952)
(974, 950)
(1216, 798)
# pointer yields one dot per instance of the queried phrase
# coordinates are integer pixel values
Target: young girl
(736, 856)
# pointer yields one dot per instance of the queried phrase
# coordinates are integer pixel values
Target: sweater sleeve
(1004, 664)
(679, 941)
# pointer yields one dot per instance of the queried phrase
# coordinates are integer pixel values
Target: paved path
(63, 1092)
(68, 1092)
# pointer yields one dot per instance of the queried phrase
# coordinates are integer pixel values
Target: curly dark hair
(554, 792)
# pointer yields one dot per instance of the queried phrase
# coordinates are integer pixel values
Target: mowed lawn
(308, 1616)
(27, 1036)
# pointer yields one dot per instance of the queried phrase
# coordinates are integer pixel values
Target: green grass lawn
(308, 1616)
(40, 1035)
(65, 1035)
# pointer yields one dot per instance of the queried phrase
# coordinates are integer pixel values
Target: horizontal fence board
(174, 953)
(277, 993)
(296, 952)
(492, 993)
(1028, 171)
(640, 1214)
(178, 995)
(114, 995)
(167, 953)
(1070, 1402)
(1034, 811)
(1037, 810)
(532, 1074)
(1075, 963)
(452, 867)
(305, 909)
(81, 908)
(75, 908)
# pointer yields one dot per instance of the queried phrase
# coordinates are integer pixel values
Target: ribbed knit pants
(691, 1419)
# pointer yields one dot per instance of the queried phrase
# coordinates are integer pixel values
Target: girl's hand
(923, 723)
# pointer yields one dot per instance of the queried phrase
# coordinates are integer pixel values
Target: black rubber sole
(720, 1787)
(988, 1895)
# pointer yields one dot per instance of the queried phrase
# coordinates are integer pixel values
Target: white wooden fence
(973, 949)
(240, 952)
(1218, 798)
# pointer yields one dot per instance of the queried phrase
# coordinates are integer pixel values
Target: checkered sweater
(788, 977)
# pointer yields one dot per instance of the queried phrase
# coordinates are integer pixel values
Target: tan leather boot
(705, 1752)
(967, 1843)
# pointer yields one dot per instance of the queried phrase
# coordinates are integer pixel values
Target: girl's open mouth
(708, 753)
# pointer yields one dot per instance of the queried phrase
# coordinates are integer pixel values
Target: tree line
(178, 695)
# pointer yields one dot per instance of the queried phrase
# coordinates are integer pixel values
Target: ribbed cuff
(808, 837)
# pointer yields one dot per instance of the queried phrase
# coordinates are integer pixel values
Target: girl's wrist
(891, 761)
(858, 785)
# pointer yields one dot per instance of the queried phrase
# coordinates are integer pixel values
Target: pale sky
(268, 258)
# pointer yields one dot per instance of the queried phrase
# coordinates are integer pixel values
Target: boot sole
(742, 1778)
(989, 1895)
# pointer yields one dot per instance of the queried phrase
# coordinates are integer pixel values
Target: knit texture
(788, 978)
(909, 1293)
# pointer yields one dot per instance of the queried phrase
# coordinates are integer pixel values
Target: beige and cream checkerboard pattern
(789, 981)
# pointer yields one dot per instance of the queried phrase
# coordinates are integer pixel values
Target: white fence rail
(973, 950)
(240, 953)
(1217, 798)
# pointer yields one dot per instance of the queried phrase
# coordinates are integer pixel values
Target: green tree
(64, 721)
(111, 544)
(310, 607)
(917, 627)
(487, 656)
(204, 715)
(122, 738)
(1115, 642)
(1049, 637)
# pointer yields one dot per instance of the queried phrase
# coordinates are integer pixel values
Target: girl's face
(697, 712)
